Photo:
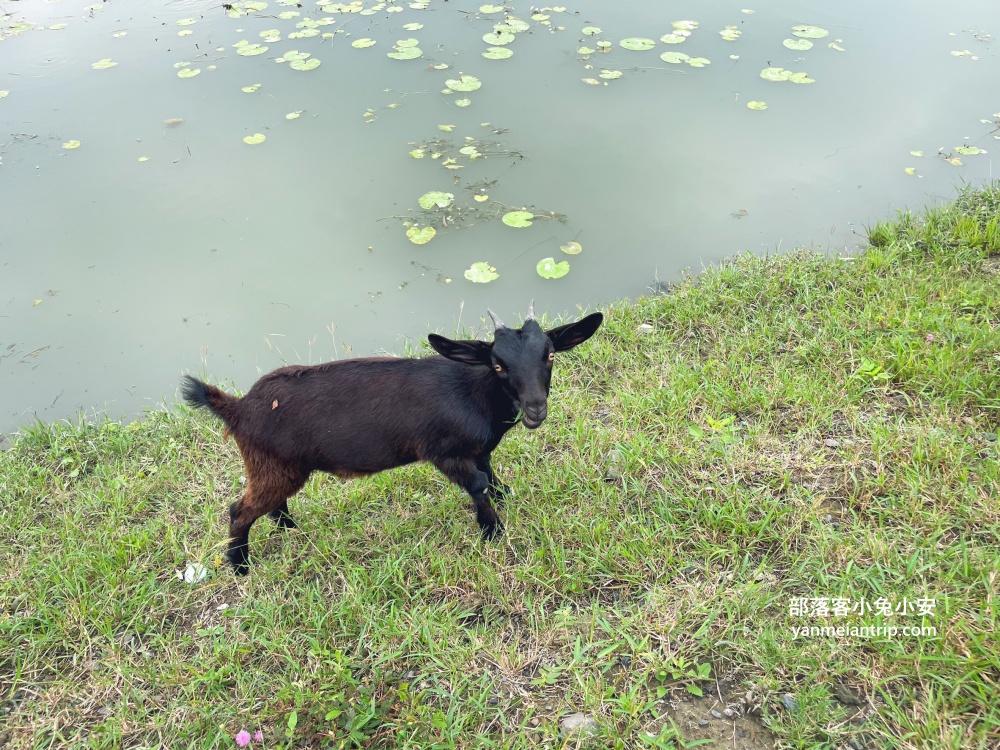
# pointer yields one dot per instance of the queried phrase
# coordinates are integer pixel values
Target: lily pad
(759, 106)
(518, 218)
(673, 38)
(420, 235)
(480, 197)
(775, 74)
(910, 170)
(435, 199)
(405, 53)
(699, 62)
(311, 64)
(104, 64)
(481, 273)
(294, 115)
(255, 139)
(610, 74)
(801, 78)
(464, 83)
(637, 44)
(674, 57)
(488, 9)
(585, 50)
(294, 54)
(591, 30)
(498, 37)
(4, 93)
(916, 153)
(730, 33)
(547, 268)
(498, 53)
(362, 43)
(188, 72)
(572, 248)
(798, 44)
(187, 21)
(969, 150)
(251, 88)
(685, 25)
(71, 144)
(593, 82)
(806, 31)
(249, 50)
(413, 26)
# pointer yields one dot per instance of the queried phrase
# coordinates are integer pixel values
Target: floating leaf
(187, 21)
(969, 150)
(610, 74)
(775, 74)
(446, 128)
(249, 50)
(516, 24)
(435, 199)
(413, 26)
(5, 92)
(498, 53)
(585, 50)
(572, 248)
(759, 106)
(809, 32)
(488, 9)
(404, 43)
(916, 153)
(480, 197)
(801, 78)
(250, 89)
(591, 81)
(188, 72)
(294, 115)
(470, 151)
(547, 268)
(417, 153)
(143, 158)
(637, 44)
(954, 160)
(910, 170)
(311, 64)
(271, 35)
(405, 53)
(463, 102)
(798, 44)
(464, 83)
(673, 38)
(674, 57)
(362, 43)
(421, 236)
(71, 144)
(253, 140)
(185, 32)
(591, 30)
(685, 25)
(730, 33)
(104, 64)
(518, 218)
(295, 55)
(699, 62)
(498, 37)
(481, 273)
(836, 45)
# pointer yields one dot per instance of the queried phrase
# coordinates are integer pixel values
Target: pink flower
(258, 736)
(243, 738)
(930, 337)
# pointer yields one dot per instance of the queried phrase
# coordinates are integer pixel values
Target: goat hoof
(493, 532)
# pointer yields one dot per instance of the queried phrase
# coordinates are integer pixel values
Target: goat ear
(574, 334)
(467, 352)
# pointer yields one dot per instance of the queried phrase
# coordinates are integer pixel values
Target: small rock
(534, 722)
(583, 723)
(715, 714)
(626, 661)
(831, 443)
(789, 702)
(702, 723)
(492, 701)
(989, 437)
(612, 472)
(728, 713)
(645, 328)
(103, 711)
(845, 695)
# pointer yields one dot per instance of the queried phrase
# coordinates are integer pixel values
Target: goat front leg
(499, 492)
(475, 481)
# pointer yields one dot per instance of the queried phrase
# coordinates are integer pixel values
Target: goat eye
(498, 368)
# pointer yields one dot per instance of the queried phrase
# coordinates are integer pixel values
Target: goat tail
(200, 394)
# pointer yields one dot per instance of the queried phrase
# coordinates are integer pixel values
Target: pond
(221, 190)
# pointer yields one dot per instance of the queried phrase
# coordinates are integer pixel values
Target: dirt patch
(736, 726)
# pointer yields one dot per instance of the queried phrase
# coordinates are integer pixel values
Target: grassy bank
(772, 430)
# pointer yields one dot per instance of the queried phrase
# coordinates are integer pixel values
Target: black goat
(360, 416)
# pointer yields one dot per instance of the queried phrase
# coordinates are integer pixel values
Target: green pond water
(147, 229)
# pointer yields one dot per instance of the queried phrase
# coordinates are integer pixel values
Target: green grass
(795, 426)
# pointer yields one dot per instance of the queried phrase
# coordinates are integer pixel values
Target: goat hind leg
(283, 517)
(268, 490)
